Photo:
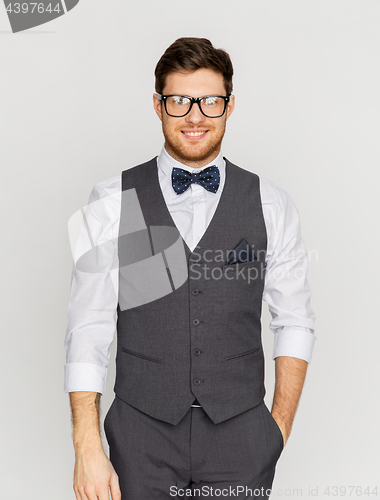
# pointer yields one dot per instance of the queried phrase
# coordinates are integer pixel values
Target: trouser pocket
(274, 435)
(107, 419)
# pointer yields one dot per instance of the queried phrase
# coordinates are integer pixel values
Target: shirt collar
(166, 163)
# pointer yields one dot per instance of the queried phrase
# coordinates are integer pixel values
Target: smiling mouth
(194, 135)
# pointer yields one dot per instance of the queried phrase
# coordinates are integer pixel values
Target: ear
(230, 106)
(157, 105)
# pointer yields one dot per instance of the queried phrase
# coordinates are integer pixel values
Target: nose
(195, 116)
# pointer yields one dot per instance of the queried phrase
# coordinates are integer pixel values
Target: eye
(210, 101)
(180, 100)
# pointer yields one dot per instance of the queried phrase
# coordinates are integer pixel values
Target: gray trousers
(196, 458)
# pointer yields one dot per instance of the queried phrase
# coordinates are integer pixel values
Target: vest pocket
(142, 356)
(241, 265)
(241, 354)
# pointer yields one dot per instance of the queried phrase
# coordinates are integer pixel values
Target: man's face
(199, 150)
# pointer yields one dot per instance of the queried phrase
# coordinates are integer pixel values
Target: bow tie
(209, 178)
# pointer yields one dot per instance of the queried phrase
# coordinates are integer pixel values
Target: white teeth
(194, 134)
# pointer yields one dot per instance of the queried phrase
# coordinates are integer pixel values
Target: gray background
(76, 108)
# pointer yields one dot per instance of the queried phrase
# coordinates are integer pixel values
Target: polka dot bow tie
(209, 178)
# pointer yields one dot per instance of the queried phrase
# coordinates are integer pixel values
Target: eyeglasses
(212, 106)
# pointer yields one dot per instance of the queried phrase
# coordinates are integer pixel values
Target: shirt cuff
(294, 343)
(85, 377)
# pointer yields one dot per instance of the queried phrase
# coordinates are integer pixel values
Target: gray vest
(202, 340)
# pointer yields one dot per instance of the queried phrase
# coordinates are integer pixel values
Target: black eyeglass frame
(193, 100)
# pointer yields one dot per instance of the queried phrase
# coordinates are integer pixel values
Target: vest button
(196, 321)
(195, 291)
(196, 381)
(197, 352)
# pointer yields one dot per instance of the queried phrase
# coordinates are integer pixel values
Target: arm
(290, 377)
(288, 294)
(93, 472)
(90, 331)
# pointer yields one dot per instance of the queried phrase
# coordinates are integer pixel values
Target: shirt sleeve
(286, 289)
(92, 309)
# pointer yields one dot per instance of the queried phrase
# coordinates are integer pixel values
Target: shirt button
(197, 352)
(196, 381)
(195, 291)
(196, 321)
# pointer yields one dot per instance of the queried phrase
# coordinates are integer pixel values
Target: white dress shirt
(92, 311)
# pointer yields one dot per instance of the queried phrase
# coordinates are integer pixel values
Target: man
(188, 418)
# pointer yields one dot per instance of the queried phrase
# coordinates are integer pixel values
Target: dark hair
(190, 54)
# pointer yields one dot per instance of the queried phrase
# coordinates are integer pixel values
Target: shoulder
(112, 186)
(272, 195)
(105, 200)
(279, 210)
(107, 187)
